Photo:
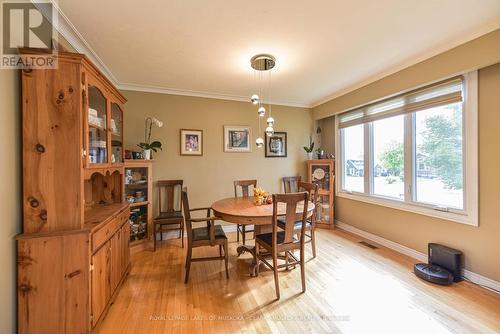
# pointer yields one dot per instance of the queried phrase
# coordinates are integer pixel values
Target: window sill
(403, 206)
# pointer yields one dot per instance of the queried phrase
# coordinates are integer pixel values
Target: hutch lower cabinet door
(101, 290)
(53, 281)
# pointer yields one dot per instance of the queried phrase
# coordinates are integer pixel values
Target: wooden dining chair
(209, 235)
(245, 192)
(312, 190)
(278, 242)
(170, 211)
(290, 184)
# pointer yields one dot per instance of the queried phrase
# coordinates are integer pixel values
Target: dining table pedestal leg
(249, 249)
(258, 229)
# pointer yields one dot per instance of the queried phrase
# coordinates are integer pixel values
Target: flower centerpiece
(262, 197)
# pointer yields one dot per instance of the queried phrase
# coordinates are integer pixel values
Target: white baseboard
(472, 276)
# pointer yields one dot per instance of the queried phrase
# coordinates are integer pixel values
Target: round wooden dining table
(243, 211)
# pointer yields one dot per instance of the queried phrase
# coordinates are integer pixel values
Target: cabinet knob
(40, 148)
(43, 215)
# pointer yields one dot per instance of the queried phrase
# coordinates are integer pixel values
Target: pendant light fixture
(263, 63)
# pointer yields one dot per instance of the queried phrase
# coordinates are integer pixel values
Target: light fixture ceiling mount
(263, 62)
(260, 63)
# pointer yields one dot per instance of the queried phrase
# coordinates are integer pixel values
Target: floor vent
(364, 243)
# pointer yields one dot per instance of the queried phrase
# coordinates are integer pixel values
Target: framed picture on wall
(191, 142)
(276, 145)
(237, 138)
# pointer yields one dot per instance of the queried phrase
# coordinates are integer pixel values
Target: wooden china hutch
(74, 252)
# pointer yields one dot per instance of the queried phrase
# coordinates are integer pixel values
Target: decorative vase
(146, 154)
(309, 155)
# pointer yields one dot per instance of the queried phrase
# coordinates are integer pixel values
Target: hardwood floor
(350, 289)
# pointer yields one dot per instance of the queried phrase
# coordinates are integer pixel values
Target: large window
(416, 151)
(354, 162)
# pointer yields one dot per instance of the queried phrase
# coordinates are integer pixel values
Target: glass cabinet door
(116, 130)
(136, 193)
(320, 174)
(97, 125)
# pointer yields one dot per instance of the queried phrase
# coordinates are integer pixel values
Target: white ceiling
(323, 48)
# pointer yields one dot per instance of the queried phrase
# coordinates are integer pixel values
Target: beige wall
(481, 245)
(10, 187)
(210, 177)
(327, 134)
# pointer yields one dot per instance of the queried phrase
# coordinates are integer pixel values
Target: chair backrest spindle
(171, 188)
(292, 201)
(290, 184)
(245, 185)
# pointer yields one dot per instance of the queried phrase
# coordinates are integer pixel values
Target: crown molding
(64, 26)
(194, 93)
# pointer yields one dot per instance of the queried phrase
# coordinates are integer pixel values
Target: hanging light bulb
(269, 131)
(261, 111)
(259, 142)
(254, 99)
(270, 121)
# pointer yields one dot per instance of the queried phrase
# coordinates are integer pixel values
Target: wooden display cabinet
(322, 172)
(139, 193)
(74, 252)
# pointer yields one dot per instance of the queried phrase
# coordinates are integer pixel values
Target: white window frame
(469, 214)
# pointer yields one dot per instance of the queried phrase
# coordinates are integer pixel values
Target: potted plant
(309, 149)
(148, 147)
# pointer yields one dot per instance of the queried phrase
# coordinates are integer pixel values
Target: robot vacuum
(433, 273)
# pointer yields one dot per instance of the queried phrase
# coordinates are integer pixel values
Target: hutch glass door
(116, 130)
(320, 174)
(97, 125)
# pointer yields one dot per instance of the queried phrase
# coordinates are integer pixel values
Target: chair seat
(268, 238)
(297, 226)
(169, 215)
(202, 233)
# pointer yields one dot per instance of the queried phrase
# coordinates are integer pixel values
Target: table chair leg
(302, 269)
(226, 259)
(286, 259)
(244, 233)
(313, 242)
(257, 265)
(154, 238)
(276, 282)
(182, 235)
(238, 233)
(188, 265)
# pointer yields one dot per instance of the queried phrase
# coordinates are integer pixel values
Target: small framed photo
(237, 138)
(276, 145)
(191, 142)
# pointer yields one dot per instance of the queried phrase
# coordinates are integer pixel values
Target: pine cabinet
(74, 252)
